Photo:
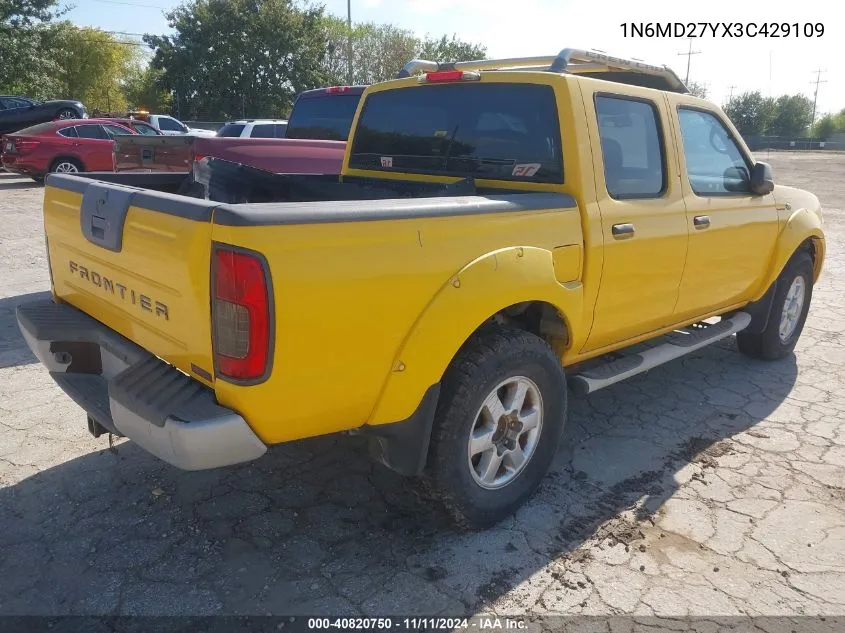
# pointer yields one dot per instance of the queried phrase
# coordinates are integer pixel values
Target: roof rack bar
(569, 60)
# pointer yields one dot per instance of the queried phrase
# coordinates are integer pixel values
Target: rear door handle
(701, 221)
(621, 231)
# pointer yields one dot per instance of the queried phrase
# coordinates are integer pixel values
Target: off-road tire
(767, 345)
(492, 355)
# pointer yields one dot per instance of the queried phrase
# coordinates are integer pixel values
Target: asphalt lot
(711, 486)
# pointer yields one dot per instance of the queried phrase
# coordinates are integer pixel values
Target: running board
(679, 343)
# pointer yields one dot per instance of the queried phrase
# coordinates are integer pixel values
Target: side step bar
(679, 343)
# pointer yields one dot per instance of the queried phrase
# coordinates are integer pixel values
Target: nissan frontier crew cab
(497, 228)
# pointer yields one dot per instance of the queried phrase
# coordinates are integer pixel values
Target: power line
(818, 81)
(689, 55)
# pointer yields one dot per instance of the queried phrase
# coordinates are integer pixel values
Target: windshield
(328, 117)
(491, 130)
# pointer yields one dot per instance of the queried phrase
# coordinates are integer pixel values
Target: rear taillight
(22, 147)
(337, 89)
(241, 314)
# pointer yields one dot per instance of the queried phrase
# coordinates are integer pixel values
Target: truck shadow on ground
(315, 527)
(10, 181)
(13, 349)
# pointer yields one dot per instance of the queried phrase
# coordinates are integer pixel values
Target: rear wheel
(788, 314)
(498, 425)
(66, 166)
(67, 113)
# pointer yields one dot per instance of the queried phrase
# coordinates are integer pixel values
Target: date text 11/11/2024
(483, 623)
(722, 29)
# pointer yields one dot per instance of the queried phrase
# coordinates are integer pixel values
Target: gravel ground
(711, 486)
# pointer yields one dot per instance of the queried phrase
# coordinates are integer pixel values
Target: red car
(67, 146)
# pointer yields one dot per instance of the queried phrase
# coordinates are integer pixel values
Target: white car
(170, 126)
(254, 128)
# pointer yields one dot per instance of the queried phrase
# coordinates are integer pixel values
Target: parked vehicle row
(498, 228)
(17, 113)
(312, 141)
(67, 146)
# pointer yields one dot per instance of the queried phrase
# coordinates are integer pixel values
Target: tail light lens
(240, 314)
(22, 147)
(333, 90)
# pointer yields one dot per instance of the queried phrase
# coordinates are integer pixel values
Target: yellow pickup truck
(498, 228)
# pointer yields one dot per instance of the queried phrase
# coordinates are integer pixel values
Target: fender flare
(468, 299)
(803, 226)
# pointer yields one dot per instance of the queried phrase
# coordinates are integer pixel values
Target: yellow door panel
(643, 217)
(732, 231)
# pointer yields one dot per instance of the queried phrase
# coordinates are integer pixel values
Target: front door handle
(701, 221)
(621, 231)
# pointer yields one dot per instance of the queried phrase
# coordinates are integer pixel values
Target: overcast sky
(511, 28)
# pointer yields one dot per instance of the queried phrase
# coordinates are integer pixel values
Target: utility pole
(689, 55)
(349, 41)
(731, 93)
(818, 81)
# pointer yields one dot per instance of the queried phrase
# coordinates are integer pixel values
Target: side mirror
(761, 179)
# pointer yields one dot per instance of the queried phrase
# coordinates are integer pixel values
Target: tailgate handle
(103, 214)
(98, 226)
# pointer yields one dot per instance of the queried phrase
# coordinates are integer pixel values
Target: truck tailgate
(136, 260)
(153, 153)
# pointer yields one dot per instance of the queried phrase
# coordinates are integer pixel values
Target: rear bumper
(130, 392)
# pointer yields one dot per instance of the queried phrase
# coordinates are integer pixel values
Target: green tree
(751, 113)
(380, 50)
(825, 127)
(232, 58)
(697, 90)
(94, 65)
(144, 91)
(792, 116)
(449, 49)
(26, 65)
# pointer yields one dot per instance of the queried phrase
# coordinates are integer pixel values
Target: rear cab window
(495, 131)
(328, 116)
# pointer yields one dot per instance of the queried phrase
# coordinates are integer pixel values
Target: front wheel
(498, 424)
(67, 113)
(788, 313)
(66, 166)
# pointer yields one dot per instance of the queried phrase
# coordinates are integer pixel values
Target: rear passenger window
(264, 130)
(92, 131)
(69, 132)
(632, 149)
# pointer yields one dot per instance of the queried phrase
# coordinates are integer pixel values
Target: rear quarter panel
(349, 294)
